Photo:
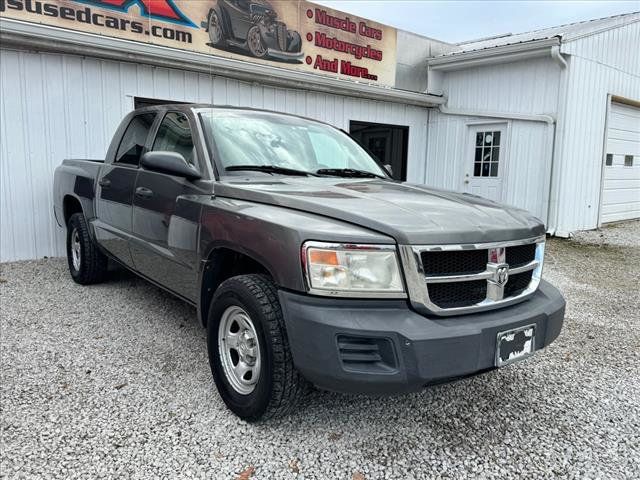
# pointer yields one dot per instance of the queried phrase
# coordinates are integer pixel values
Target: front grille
(281, 33)
(519, 255)
(454, 263)
(469, 272)
(458, 294)
(517, 283)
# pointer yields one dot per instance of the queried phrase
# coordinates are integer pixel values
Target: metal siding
(599, 65)
(71, 106)
(527, 162)
(518, 87)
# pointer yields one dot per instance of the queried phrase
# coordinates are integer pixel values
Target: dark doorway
(388, 143)
(141, 102)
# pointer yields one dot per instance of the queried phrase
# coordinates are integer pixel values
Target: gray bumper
(414, 350)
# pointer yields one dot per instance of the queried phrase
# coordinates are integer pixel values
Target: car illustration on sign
(252, 25)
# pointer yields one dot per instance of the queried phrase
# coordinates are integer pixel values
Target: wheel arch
(220, 263)
(70, 205)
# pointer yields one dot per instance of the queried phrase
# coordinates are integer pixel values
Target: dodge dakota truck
(307, 263)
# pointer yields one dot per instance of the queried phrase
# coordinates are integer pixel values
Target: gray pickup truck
(307, 263)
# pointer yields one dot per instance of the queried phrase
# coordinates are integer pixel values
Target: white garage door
(621, 190)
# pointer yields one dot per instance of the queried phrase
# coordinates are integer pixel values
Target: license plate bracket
(515, 345)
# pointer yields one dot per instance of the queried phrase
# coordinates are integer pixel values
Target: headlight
(352, 270)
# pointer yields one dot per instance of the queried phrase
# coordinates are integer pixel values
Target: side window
(134, 138)
(609, 160)
(174, 135)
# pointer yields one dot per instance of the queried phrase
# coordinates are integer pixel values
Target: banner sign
(292, 34)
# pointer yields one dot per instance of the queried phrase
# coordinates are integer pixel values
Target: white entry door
(485, 165)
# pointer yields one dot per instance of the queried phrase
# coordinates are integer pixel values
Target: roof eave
(494, 55)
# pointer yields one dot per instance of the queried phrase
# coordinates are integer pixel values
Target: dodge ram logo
(502, 275)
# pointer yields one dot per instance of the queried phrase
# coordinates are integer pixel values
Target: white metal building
(566, 101)
(538, 111)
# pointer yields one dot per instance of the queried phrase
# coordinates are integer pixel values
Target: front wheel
(87, 264)
(249, 350)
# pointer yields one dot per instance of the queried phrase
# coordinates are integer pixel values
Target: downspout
(554, 210)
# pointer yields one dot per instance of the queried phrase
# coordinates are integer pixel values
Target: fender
(206, 273)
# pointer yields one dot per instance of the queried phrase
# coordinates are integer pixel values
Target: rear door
(114, 199)
(165, 218)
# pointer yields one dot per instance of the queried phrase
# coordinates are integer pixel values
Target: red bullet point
(309, 60)
(309, 13)
(309, 37)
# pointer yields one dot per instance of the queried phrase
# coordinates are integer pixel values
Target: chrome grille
(281, 33)
(454, 279)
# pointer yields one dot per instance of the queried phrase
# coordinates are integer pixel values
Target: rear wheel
(216, 32)
(87, 264)
(249, 350)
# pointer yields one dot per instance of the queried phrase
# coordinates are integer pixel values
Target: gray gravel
(113, 381)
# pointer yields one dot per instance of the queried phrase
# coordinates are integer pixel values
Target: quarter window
(628, 160)
(609, 161)
(134, 139)
(487, 154)
(174, 135)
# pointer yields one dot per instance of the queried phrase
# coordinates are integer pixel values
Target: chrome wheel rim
(215, 32)
(76, 252)
(239, 350)
(254, 41)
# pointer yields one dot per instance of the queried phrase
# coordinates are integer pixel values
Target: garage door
(621, 189)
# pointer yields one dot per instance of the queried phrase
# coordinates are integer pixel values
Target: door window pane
(487, 154)
(174, 135)
(134, 139)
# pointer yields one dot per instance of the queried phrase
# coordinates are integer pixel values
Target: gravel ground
(113, 381)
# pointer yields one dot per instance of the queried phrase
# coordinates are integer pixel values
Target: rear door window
(134, 139)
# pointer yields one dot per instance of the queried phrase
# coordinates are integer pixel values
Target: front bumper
(415, 350)
(282, 55)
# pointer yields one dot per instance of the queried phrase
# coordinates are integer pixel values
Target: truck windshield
(281, 142)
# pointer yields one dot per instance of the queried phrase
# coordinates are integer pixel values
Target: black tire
(93, 263)
(279, 385)
(295, 42)
(217, 38)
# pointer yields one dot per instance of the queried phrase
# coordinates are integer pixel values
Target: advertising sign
(293, 34)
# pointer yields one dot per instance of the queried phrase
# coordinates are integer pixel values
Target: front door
(165, 220)
(485, 163)
(114, 196)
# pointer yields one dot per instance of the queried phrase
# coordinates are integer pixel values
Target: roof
(565, 33)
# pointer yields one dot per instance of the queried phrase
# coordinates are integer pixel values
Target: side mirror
(389, 170)
(172, 163)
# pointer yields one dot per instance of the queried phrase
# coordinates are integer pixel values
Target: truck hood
(411, 214)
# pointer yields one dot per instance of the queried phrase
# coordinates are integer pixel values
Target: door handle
(143, 192)
(104, 182)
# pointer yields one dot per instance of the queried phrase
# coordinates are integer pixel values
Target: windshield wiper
(269, 169)
(347, 172)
